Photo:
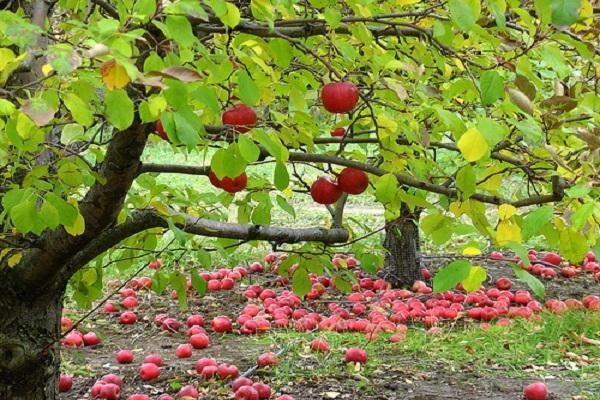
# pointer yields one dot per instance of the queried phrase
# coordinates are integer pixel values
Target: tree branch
(141, 220)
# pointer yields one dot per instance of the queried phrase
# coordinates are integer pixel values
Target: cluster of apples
(551, 261)
(326, 190)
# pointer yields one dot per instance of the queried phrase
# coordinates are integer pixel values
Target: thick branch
(142, 220)
(402, 179)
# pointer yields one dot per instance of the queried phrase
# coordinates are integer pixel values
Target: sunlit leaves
(249, 92)
(474, 279)
(534, 283)
(573, 245)
(472, 145)
(114, 75)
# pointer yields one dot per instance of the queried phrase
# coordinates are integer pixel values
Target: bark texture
(402, 264)
(29, 344)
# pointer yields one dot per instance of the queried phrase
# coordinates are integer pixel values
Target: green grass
(549, 347)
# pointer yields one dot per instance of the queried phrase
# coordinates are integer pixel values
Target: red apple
(226, 371)
(496, 255)
(112, 378)
(241, 117)
(138, 396)
(73, 339)
(325, 190)
(221, 324)
(338, 132)
(195, 319)
(110, 391)
(355, 354)
(124, 357)
(319, 344)
(110, 308)
(66, 323)
(188, 392)
(149, 371)
(127, 318)
(199, 341)
(353, 181)
(239, 382)
(267, 359)
(91, 339)
(535, 391)
(183, 351)
(155, 359)
(156, 264)
(231, 185)
(227, 284)
(205, 362)
(263, 390)
(503, 284)
(209, 372)
(246, 393)
(339, 97)
(170, 325)
(552, 258)
(65, 383)
(285, 397)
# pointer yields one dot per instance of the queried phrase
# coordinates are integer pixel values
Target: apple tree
(459, 117)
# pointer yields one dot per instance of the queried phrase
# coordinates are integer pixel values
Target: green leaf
(203, 257)
(24, 215)
(49, 214)
(67, 212)
(80, 110)
(207, 96)
(70, 173)
(6, 107)
(466, 181)
(543, 9)
(385, 188)
(520, 251)
(580, 217)
(285, 206)
(534, 283)
(342, 284)
(272, 143)
(177, 280)
(301, 283)
(144, 9)
(159, 282)
(71, 133)
(476, 277)
(180, 30)
(573, 245)
(232, 18)
(564, 12)
(248, 149)
(199, 284)
(448, 277)
(186, 127)
(498, 8)
(119, 109)
(248, 91)
(281, 178)
(369, 262)
(283, 52)
(464, 13)
(492, 87)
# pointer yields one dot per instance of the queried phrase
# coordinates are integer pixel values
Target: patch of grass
(547, 348)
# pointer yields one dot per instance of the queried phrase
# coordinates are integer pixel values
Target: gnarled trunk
(29, 343)
(403, 252)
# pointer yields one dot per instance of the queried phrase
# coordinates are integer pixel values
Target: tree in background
(483, 119)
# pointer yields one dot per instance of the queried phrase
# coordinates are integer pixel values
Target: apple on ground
(65, 383)
(149, 371)
(535, 391)
(124, 357)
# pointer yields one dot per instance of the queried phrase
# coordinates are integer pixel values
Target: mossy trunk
(403, 251)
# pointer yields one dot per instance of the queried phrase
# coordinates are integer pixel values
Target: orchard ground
(460, 361)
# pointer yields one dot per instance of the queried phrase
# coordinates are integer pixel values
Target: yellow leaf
(78, 227)
(505, 211)
(407, 2)
(14, 259)
(9, 63)
(471, 251)
(287, 192)
(508, 232)
(161, 208)
(232, 18)
(47, 69)
(472, 145)
(114, 75)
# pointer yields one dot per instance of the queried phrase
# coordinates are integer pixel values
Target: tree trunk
(29, 343)
(402, 264)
